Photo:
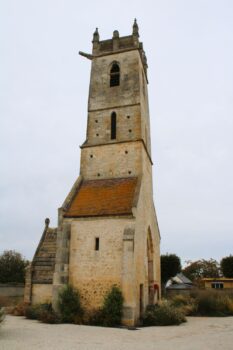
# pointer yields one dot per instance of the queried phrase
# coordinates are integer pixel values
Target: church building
(107, 231)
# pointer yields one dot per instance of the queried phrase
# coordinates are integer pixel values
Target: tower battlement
(119, 44)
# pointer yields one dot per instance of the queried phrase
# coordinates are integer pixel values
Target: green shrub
(19, 309)
(49, 316)
(149, 318)
(111, 312)
(199, 303)
(213, 303)
(33, 312)
(163, 314)
(69, 305)
(184, 303)
(188, 310)
(180, 300)
(113, 307)
(2, 315)
(94, 317)
(205, 303)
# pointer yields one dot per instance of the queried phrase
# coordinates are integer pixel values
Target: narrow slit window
(113, 126)
(97, 243)
(115, 75)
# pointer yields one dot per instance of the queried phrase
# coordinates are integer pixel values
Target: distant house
(218, 283)
(179, 284)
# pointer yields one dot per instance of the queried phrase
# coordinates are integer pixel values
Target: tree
(227, 266)
(170, 266)
(12, 267)
(196, 270)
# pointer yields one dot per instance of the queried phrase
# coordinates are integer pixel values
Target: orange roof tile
(103, 197)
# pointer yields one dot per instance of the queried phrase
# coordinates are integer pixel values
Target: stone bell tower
(108, 233)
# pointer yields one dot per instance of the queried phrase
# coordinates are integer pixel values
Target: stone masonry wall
(101, 96)
(128, 125)
(41, 293)
(111, 161)
(144, 107)
(146, 221)
(94, 272)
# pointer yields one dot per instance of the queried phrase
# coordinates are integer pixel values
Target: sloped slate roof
(103, 197)
(183, 278)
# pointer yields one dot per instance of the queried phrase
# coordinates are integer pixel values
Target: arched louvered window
(113, 126)
(115, 75)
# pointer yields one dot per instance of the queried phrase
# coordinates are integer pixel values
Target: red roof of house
(103, 197)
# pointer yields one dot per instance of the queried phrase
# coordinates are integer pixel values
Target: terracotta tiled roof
(103, 197)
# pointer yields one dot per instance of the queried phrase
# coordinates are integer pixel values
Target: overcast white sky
(43, 110)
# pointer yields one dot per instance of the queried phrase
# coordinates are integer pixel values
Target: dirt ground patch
(17, 333)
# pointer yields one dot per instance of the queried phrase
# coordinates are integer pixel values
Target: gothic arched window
(115, 75)
(113, 126)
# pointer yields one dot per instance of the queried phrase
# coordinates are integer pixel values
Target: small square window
(97, 243)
